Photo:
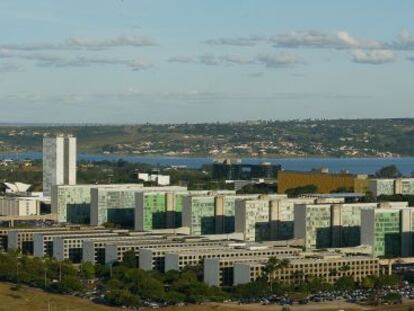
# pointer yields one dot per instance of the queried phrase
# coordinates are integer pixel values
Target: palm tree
(299, 277)
(274, 264)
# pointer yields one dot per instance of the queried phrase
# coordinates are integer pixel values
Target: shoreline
(207, 156)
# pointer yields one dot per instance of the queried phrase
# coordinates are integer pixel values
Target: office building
(159, 208)
(213, 213)
(20, 205)
(328, 267)
(114, 252)
(22, 239)
(93, 250)
(71, 246)
(332, 225)
(42, 241)
(230, 169)
(115, 205)
(158, 179)
(253, 219)
(271, 217)
(59, 162)
(389, 231)
(177, 259)
(324, 181)
(391, 186)
(73, 203)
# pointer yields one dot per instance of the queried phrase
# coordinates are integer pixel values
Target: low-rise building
(324, 181)
(70, 246)
(329, 268)
(114, 252)
(42, 242)
(159, 179)
(20, 205)
(179, 259)
(22, 239)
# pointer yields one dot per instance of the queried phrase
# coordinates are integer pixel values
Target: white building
(253, 219)
(19, 206)
(391, 186)
(59, 162)
(160, 180)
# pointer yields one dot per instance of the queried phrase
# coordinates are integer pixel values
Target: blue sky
(132, 61)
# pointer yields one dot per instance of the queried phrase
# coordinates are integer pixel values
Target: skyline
(197, 61)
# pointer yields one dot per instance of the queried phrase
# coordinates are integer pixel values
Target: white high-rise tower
(59, 162)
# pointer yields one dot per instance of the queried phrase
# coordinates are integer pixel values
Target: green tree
(254, 289)
(387, 280)
(345, 283)
(130, 259)
(368, 282)
(87, 270)
(295, 192)
(272, 266)
(121, 297)
(390, 171)
(393, 297)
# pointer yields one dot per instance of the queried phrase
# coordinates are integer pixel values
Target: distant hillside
(333, 138)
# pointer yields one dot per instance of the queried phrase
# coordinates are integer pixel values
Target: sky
(175, 61)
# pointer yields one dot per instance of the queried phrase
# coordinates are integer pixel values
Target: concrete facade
(59, 162)
(19, 206)
(389, 231)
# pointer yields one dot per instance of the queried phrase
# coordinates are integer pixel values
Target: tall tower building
(59, 162)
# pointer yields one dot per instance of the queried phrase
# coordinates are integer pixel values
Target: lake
(353, 165)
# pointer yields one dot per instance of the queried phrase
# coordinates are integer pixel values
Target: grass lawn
(29, 299)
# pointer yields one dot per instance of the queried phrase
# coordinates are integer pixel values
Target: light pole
(17, 268)
(45, 276)
(45, 272)
(60, 272)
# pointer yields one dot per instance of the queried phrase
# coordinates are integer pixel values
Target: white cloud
(181, 59)
(405, 40)
(279, 60)
(139, 64)
(209, 59)
(50, 60)
(4, 53)
(374, 57)
(256, 74)
(239, 41)
(88, 43)
(275, 60)
(9, 67)
(235, 59)
(316, 39)
(121, 40)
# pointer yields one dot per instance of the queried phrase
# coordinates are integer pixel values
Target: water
(353, 165)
